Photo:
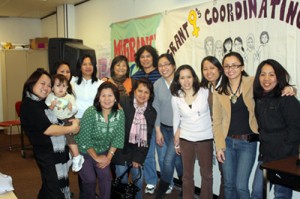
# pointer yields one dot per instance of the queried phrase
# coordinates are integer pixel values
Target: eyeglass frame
(234, 66)
(166, 64)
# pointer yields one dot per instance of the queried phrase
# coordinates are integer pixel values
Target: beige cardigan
(222, 112)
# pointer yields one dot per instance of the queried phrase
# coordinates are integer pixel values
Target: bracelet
(177, 146)
(111, 152)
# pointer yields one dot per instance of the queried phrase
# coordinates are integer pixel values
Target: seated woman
(102, 132)
(139, 124)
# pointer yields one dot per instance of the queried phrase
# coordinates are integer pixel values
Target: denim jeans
(239, 159)
(120, 169)
(167, 157)
(150, 174)
(280, 192)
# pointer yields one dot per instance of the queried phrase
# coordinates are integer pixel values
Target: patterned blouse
(100, 135)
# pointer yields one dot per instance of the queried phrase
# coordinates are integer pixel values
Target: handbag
(121, 190)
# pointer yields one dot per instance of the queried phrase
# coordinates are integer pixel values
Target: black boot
(161, 190)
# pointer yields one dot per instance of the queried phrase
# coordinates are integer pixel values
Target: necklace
(233, 97)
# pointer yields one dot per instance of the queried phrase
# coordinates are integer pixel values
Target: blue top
(152, 76)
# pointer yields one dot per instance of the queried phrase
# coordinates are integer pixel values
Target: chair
(11, 123)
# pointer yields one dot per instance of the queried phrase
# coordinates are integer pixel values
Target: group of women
(123, 119)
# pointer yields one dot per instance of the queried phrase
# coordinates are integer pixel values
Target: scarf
(119, 82)
(138, 131)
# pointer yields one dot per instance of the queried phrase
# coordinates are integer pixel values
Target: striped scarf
(138, 131)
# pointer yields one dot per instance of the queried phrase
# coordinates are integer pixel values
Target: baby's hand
(53, 104)
(70, 106)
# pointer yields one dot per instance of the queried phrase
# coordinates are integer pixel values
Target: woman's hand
(135, 165)
(289, 91)
(75, 125)
(159, 138)
(177, 142)
(221, 156)
(103, 161)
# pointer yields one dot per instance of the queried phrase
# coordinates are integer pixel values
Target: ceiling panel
(32, 8)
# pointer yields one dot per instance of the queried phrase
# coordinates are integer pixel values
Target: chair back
(18, 107)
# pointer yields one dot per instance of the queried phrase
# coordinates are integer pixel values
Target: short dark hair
(169, 57)
(61, 78)
(149, 49)
(146, 82)
(282, 76)
(107, 85)
(32, 80)
(175, 85)
(115, 61)
(79, 72)
(213, 60)
(56, 66)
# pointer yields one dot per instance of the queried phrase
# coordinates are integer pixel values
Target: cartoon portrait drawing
(264, 48)
(252, 55)
(219, 50)
(238, 47)
(209, 46)
(227, 45)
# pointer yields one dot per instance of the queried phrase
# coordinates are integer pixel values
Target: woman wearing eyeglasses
(235, 126)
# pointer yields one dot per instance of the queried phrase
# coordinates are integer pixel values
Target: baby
(64, 107)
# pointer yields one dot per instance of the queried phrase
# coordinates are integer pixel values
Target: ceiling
(32, 8)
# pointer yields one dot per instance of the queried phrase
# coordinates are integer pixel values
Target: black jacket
(279, 127)
(131, 152)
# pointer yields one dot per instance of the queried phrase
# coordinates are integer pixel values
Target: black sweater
(131, 152)
(279, 127)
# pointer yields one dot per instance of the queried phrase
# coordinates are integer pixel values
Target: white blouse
(84, 93)
(195, 122)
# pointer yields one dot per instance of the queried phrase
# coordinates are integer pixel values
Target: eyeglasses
(233, 66)
(165, 64)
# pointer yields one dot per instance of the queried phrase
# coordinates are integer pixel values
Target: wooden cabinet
(16, 67)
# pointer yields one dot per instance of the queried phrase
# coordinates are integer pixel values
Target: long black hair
(79, 72)
(214, 61)
(175, 85)
(282, 77)
(223, 88)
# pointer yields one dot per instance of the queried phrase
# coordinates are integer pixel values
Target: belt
(247, 137)
(166, 126)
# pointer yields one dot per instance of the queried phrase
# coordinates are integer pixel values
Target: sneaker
(77, 163)
(150, 188)
(170, 189)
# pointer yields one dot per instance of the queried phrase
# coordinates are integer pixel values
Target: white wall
(49, 26)
(19, 30)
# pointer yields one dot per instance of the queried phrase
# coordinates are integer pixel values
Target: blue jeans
(237, 167)
(120, 169)
(280, 192)
(150, 174)
(167, 157)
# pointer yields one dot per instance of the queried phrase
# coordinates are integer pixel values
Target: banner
(128, 36)
(257, 29)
